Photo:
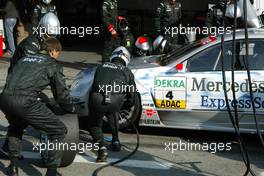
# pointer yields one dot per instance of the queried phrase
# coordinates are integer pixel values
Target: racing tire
(128, 116)
(72, 136)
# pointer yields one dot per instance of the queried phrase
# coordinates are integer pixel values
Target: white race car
(184, 89)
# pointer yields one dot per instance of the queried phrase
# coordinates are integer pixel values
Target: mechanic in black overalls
(31, 46)
(215, 15)
(126, 37)
(168, 15)
(41, 9)
(110, 28)
(107, 101)
(19, 102)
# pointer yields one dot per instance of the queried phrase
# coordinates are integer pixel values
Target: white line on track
(261, 174)
(91, 160)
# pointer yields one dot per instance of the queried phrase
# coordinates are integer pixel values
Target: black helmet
(124, 26)
(221, 3)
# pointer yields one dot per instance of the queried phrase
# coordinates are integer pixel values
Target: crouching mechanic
(31, 46)
(107, 100)
(19, 101)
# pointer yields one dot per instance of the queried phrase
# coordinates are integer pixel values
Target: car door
(201, 100)
(256, 65)
(206, 107)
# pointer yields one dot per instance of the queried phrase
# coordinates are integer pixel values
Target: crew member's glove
(112, 30)
(58, 110)
(69, 108)
(73, 111)
(43, 98)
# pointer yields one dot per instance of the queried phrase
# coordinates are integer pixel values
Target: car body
(184, 88)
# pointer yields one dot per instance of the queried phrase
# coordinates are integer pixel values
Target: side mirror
(179, 67)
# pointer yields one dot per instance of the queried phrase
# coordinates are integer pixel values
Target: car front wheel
(128, 116)
(72, 138)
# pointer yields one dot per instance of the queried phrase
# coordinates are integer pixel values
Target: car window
(227, 58)
(256, 55)
(178, 52)
(255, 58)
(204, 61)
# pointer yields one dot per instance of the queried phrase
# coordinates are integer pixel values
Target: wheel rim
(124, 116)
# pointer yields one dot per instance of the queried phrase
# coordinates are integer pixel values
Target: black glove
(43, 98)
(56, 109)
(69, 108)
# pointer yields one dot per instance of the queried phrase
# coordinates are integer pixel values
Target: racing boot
(12, 169)
(102, 155)
(52, 172)
(116, 146)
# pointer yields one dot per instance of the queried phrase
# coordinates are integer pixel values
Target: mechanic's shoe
(12, 170)
(116, 146)
(102, 155)
(52, 172)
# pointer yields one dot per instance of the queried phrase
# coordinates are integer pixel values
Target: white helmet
(51, 24)
(143, 43)
(46, 1)
(159, 44)
(121, 53)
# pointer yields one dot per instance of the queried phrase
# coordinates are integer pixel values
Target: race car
(184, 88)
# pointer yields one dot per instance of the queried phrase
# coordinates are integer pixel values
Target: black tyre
(72, 124)
(128, 116)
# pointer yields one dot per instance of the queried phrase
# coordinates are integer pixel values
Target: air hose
(246, 63)
(234, 120)
(95, 173)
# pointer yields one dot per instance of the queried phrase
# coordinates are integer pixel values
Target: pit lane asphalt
(152, 159)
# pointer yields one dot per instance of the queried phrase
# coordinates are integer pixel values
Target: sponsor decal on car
(150, 122)
(149, 116)
(208, 93)
(172, 104)
(149, 112)
(170, 92)
(241, 103)
(205, 85)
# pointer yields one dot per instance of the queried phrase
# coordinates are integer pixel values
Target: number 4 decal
(169, 95)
